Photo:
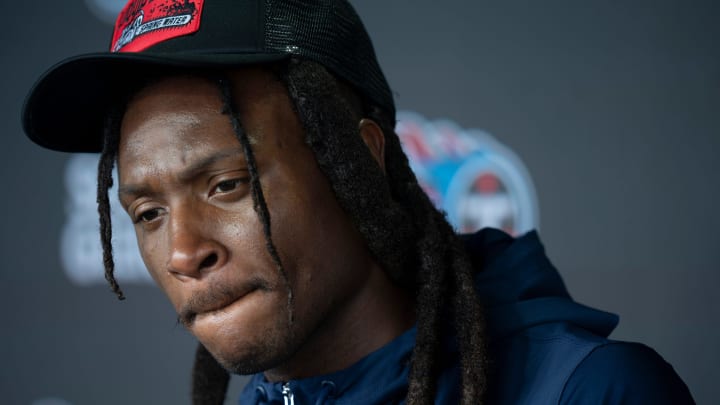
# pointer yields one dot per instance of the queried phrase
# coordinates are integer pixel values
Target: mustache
(217, 295)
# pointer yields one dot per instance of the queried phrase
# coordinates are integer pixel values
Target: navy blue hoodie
(545, 348)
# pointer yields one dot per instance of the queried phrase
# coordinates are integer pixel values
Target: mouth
(214, 301)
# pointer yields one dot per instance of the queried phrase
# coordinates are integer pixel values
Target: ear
(374, 139)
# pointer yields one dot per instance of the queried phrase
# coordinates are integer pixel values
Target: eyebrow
(199, 166)
(188, 173)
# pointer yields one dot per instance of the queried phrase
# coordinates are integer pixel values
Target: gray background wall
(613, 107)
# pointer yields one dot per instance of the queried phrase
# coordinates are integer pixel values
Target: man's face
(184, 181)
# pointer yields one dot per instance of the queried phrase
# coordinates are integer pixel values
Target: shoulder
(628, 373)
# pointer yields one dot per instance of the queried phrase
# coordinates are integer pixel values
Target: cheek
(323, 254)
(154, 258)
(240, 232)
(150, 255)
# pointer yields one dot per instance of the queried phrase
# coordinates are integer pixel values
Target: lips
(215, 299)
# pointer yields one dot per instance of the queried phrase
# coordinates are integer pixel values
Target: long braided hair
(408, 236)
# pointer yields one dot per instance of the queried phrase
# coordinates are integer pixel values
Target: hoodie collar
(355, 384)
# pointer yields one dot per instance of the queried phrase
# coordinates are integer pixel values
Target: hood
(521, 288)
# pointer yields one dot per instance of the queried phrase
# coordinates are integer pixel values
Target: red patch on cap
(144, 23)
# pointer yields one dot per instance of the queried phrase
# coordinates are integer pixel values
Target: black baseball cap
(65, 109)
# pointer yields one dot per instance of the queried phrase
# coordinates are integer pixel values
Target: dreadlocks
(409, 237)
(105, 181)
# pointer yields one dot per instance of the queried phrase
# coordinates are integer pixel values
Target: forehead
(171, 109)
(192, 105)
(181, 118)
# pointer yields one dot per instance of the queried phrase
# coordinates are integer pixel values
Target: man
(275, 208)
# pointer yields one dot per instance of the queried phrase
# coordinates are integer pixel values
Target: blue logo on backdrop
(475, 179)
(467, 173)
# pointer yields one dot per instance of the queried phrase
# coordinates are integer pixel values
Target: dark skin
(184, 181)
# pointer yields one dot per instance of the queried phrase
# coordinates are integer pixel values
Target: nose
(193, 251)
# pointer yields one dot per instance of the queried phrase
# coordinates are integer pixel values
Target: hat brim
(65, 109)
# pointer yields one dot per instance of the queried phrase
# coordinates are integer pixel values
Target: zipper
(287, 394)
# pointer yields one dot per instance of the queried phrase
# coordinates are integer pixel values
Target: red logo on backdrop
(144, 23)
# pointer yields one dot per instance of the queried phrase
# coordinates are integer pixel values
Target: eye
(148, 216)
(227, 186)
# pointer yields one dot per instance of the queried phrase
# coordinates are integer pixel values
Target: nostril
(209, 261)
